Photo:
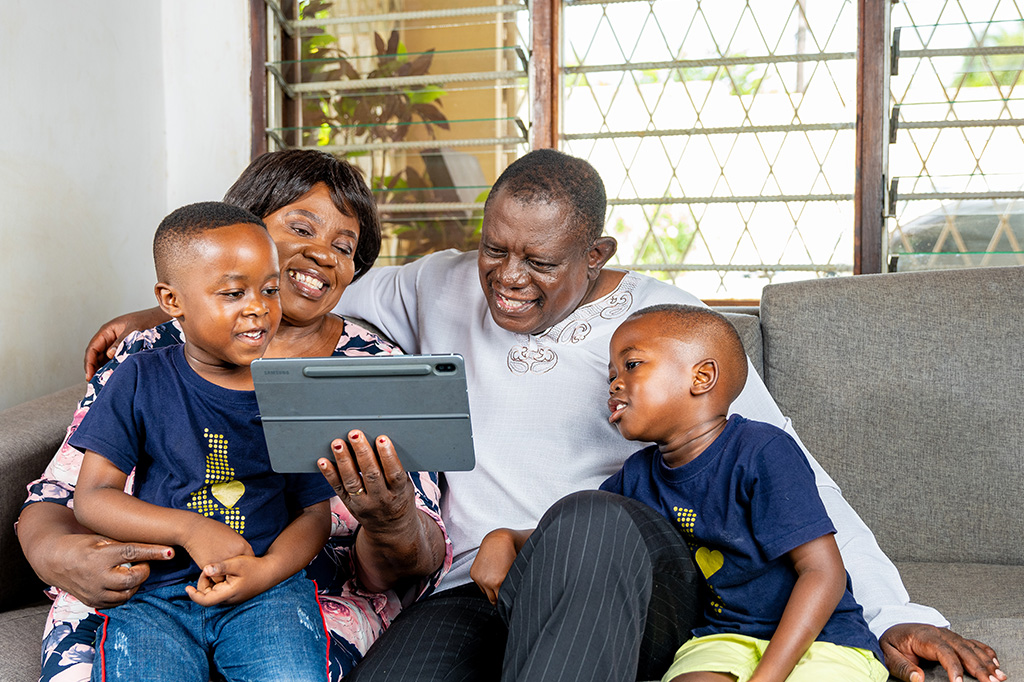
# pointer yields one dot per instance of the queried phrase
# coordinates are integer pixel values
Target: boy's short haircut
(712, 330)
(182, 226)
(550, 176)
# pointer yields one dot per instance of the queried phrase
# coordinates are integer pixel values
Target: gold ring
(357, 492)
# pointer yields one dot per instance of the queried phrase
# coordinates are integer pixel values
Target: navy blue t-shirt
(742, 504)
(194, 446)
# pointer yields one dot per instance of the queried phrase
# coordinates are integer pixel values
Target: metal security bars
(724, 132)
(428, 98)
(956, 198)
(741, 143)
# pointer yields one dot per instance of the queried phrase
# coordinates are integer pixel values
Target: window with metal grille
(724, 132)
(956, 140)
(428, 98)
(741, 143)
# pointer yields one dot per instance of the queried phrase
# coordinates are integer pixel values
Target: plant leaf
(348, 70)
(430, 113)
(362, 112)
(318, 43)
(415, 179)
(392, 108)
(426, 94)
(421, 64)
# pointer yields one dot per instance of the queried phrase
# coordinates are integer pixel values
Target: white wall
(111, 115)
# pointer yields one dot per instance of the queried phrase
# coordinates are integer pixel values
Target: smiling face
(315, 245)
(651, 374)
(225, 296)
(535, 268)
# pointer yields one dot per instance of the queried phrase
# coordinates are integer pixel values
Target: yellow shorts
(739, 655)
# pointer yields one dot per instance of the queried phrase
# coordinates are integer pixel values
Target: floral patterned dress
(354, 616)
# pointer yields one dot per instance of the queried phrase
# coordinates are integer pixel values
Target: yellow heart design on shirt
(709, 561)
(228, 493)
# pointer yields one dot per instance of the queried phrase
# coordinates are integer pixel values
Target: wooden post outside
(872, 97)
(544, 62)
(258, 77)
(291, 113)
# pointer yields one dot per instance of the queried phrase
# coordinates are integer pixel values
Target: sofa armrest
(30, 434)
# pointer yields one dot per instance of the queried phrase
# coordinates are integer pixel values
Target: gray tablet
(419, 401)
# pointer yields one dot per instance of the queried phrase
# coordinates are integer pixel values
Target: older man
(603, 589)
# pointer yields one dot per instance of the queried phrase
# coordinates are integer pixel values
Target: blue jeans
(162, 635)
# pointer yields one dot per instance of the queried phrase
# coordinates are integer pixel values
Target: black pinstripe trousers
(604, 589)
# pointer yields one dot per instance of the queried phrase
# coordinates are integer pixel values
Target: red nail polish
(355, 436)
(382, 440)
(338, 446)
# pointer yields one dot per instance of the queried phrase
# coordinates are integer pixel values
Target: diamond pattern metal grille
(724, 132)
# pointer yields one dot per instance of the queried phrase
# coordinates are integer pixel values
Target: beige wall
(475, 100)
(111, 114)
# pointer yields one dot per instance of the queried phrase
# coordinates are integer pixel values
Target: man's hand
(907, 644)
(104, 342)
(103, 573)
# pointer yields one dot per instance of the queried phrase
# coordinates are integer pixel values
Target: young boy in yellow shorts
(779, 604)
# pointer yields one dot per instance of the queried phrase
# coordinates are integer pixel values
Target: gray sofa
(906, 387)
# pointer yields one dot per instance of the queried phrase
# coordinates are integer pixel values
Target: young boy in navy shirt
(779, 605)
(185, 419)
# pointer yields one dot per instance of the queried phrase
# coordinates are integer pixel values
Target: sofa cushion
(30, 434)
(966, 591)
(907, 389)
(21, 636)
(971, 596)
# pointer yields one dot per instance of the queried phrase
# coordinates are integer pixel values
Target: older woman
(324, 221)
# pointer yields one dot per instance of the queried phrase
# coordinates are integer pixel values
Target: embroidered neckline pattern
(536, 354)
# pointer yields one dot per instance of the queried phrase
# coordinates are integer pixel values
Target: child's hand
(497, 552)
(209, 542)
(232, 581)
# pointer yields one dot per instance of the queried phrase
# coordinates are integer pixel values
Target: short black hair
(710, 328)
(181, 227)
(550, 176)
(276, 179)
